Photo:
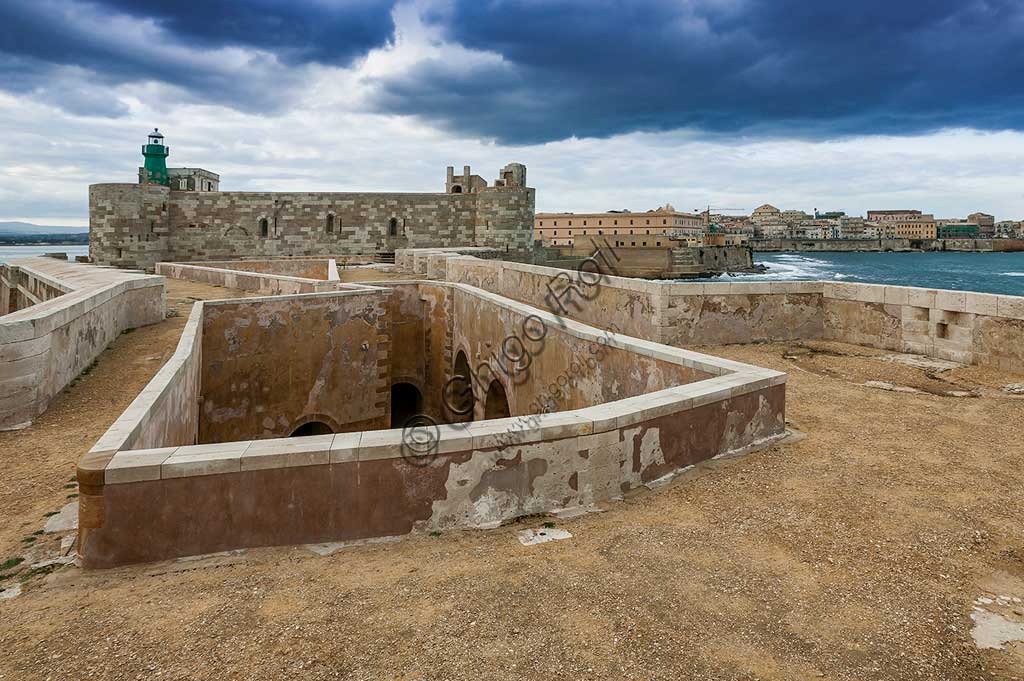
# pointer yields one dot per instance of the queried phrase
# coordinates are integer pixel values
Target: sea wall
(837, 245)
(966, 327)
(664, 312)
(67, 315)
(972, 328)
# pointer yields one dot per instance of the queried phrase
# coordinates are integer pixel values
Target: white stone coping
(730, 379)
(86, 288)
(265, 276)
(996, 305)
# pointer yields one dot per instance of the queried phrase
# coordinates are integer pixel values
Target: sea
(982, 272)
(12, 252)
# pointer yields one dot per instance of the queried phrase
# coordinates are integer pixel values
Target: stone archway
(406, 402)
(496, 402)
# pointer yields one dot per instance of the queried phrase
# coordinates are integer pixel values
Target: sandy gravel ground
(855, 553)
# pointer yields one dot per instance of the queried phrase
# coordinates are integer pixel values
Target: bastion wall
(628, 413)
(61, 316)
(966, 327)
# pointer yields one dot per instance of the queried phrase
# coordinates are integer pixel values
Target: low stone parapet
(65, 314)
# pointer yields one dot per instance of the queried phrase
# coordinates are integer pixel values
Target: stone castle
(179, 214)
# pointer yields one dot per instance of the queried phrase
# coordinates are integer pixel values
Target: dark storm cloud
(811, 67)
(543, 70)
(125, 42)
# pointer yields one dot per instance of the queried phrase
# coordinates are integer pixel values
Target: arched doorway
(459, 396)
(456, 189)
(406, 402)
(496, 402)
(312, 428)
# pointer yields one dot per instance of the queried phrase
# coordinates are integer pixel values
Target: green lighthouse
(155, 153)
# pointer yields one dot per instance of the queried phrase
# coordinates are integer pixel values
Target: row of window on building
(329, 224)
(664, 221)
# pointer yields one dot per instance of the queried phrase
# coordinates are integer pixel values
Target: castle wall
(139, 225)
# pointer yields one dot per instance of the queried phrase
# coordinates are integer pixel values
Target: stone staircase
(384, 257)
(684, 264)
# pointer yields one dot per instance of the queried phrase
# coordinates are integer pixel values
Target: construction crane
(707, 212)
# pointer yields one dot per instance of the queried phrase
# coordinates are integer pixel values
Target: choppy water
(985, 272)
(12, 252)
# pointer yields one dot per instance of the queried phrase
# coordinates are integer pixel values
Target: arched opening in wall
(496, 402)
(329, 227)
(406, 402)
(459, 392)
(264, 227)
(312, 428)
(456, 189)
(393, 227)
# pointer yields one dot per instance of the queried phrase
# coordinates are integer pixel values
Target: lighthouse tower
(155, 153)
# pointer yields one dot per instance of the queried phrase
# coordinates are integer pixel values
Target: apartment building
(904, 224)
(559, 229)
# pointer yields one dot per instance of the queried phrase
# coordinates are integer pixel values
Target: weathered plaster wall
(664, 312)
(43, 347)
(558, 370)
(272, 364)
(335, 488)
(966, 327)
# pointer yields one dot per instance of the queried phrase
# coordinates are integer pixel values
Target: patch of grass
(11, 562)
(71, 485)
(28, 540)
(36, 571)
(129, 329)
(38, 532)
(50, 514)
(435, 533)
(73, 496)
(549, 524)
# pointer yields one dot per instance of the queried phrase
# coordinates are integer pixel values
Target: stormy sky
(801, 103)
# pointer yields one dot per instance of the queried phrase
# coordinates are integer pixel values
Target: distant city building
(766, 213)
(559, 229)
(794, 217)
(986, 224)
(771, 229)
(1009, 229)
(904, 224)
(959, 230)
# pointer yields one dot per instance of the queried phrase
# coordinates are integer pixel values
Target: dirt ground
(857, 552)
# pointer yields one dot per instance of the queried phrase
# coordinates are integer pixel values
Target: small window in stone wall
(393, 227)
(329, 227)
(264, 227)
